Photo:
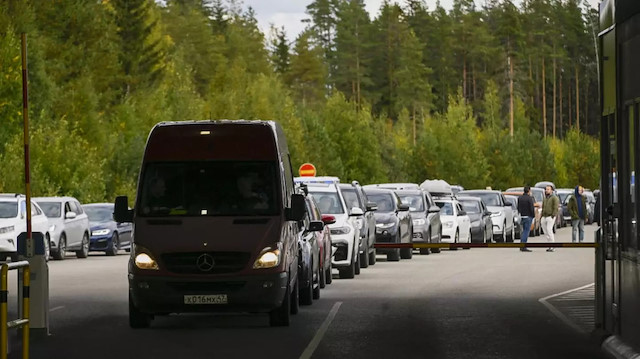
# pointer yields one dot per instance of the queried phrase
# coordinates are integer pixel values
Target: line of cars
(65, 225)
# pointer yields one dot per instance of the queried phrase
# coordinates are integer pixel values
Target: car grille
(341, 252)
(206, 287)
(223, 262)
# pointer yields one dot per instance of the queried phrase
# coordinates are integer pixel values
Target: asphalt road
(478, 303)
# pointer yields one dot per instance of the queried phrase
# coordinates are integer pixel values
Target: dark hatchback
(393, 222)
(107, 235)
(425, 215)
(480, 216)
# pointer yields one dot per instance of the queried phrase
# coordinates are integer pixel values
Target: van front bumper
(163, 295)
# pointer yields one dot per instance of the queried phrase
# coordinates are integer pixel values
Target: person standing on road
(527, 214)
(578, 209)
(549, 212)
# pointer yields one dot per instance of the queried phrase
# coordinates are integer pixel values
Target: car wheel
(456, 238)
(426, 251)
(437, 250)
(406, 253)
(138, 319)
(62, 248)
(328, 276)
(512, 234)
(322, 281)
(364, 257)
(316, 289)
(47, 247)
(294, 299)
(84, 247)
(349, 272)
(356, 255)
(115, 243)
(468, 240)
(281, 316)
(372, 257)
(306, 291)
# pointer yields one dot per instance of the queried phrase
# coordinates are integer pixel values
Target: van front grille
(205, 262)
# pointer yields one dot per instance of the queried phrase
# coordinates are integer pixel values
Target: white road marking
(308, 352)
(559, 314)
(56, 308)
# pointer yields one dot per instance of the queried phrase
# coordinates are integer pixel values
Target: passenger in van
(158, 200)
(249, 197)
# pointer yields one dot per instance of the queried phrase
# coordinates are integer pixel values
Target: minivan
(214, 222)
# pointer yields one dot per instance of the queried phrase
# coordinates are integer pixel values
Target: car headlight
(7, 229)
(341, 230)
(496, 214)
(448, 224)
(100, 232)
(268, 258)
(419, 222)
(385, 225)
(52, 228)
(144, 259)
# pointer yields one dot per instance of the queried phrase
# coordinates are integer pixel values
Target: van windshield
(208, 188)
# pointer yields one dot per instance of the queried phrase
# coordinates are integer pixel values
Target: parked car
(355, 197)
(456, 224)
(480, 217)
(425, 214)
(544, 184)
(13, 213)
(345, 232)
(517, 220)
(309, 257)
(323, 238)
(393, 186)
(106, 234)
(538, 196)
(501, 213)
(393, 222)
(70, 226)
(563, 195)
(591, 205)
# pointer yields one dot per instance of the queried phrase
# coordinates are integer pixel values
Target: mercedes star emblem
(205, 262)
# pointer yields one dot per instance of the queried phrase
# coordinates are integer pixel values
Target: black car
(309, 260)
(425, 215)
(354, 196)
(393, 222)
(107, 235)
(480, 216)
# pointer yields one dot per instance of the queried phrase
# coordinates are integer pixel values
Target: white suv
(70, 226)
(13, 213)
(345, 232)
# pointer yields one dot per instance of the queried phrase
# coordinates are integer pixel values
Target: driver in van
(249, 197)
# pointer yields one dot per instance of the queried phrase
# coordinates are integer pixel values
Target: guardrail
(23, 321)
(488, 245)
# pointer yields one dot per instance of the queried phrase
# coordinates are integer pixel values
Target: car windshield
(8, 209)
(538, 195)
(51, 209)
(415, 202)
(490, 199)
(351, 198)
(99, 214)
(563, 196)
(446, 208)
(328, 202)
(384, 201)
(471, 206)
(208, 188)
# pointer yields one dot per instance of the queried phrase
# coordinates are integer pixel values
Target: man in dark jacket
(577, 207)
(527, 214)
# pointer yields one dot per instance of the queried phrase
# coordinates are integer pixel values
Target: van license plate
(206, 299)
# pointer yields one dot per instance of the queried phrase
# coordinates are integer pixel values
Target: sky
(289, 13)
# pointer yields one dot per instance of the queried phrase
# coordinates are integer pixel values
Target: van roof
(215, 140)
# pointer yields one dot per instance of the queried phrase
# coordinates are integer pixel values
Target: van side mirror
(316, 226)
(403, 207)
(121, 211)
(297, 210)
(372, 206)
(328, 219)
(355, 211)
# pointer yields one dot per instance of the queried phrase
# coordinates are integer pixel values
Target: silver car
(69, 226)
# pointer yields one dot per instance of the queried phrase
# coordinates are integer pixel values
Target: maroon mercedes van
(214, 222)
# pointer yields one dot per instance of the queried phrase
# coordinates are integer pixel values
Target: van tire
(281, 316)
(138, 319)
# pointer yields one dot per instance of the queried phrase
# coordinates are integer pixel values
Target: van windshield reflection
(209, 188)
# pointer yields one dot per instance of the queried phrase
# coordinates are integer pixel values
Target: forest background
(496, 95)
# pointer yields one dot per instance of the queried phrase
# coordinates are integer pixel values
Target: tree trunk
(561, 107)
(544, 100)
(464, 77)
(414, 126)
(570, 109)
(554, 95)
(531, 78)
(473, 74)
(577, 100)
(510, 95)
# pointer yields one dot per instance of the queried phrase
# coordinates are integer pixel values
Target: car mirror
(372, 206)
(355, 211)
(487, 213)
(434, 209)
(328, 219)
(70, 215)
(121, 211)
(298, 208)
(316, 226)
(462, 213)
(403, 207)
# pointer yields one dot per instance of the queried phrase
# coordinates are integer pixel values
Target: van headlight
(268, 258)
(341, 230)
(7, 229)
(144, 259)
